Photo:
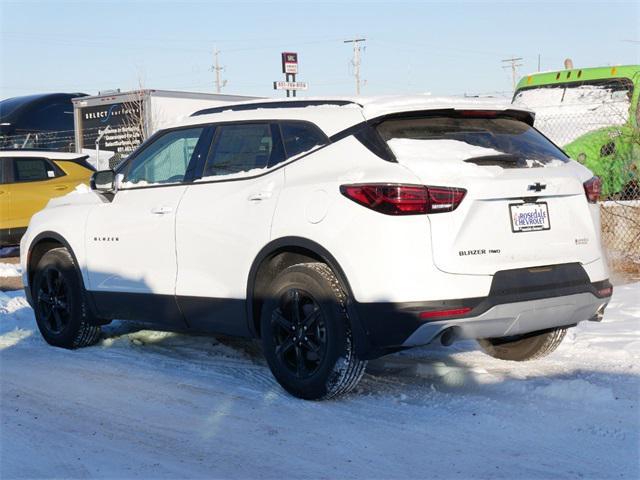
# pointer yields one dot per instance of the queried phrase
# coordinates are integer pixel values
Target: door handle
(64, 187)
(260, 196)
(162, 210)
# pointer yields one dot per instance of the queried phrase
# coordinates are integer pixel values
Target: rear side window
(34, 169)
(504, 142)
(243, 148)
(300, 137)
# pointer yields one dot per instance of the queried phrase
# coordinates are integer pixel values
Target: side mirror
(103, 181)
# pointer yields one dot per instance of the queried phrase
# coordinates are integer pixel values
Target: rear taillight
(393, 199)
(593, 189)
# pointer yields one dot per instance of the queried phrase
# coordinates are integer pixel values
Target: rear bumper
(520, 301)
(514, 319)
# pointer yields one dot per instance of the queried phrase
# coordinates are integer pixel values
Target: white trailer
(109, 126)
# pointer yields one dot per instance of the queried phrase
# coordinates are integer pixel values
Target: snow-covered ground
(157, 405)
(10, 270)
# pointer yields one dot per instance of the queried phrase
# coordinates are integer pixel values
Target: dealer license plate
(529, 217)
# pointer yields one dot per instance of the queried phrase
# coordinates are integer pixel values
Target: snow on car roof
(353, 110)
(42, 153)
(378, 106)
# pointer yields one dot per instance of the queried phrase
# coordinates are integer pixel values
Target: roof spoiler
(525, 116)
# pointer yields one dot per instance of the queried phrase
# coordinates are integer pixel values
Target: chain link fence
(604, 138)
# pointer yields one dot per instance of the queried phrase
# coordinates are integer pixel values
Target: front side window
(165, 160)
(299, 137)
(242, 148)
(33, 169)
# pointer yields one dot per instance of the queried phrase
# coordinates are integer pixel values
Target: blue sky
(412, 47)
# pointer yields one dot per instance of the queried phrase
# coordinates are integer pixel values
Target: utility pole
(356, 60)
(217, 69)
(513, 67)
(98, 138)
(538, 62)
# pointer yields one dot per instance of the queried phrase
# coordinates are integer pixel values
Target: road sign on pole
(290, 70)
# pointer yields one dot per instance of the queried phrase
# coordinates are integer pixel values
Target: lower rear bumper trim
(514, 319)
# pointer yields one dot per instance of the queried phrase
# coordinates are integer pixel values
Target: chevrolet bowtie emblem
(536, 187)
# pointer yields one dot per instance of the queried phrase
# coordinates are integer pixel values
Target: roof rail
(282, 104)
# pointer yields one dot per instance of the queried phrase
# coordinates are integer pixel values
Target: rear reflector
(605, 292)
(394, 199)
(593, 189)
(445, 313)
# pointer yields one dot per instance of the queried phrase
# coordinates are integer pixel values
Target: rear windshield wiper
(504, 160)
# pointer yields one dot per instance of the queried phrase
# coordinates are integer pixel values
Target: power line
(513, 66)
(356, 60)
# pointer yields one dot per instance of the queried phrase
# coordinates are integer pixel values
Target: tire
(523, 347)
(59, 302)
(306, 333)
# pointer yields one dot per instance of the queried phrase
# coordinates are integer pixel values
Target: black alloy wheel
(52, 301)
(59, 301)
(306, 333)
(299, 333)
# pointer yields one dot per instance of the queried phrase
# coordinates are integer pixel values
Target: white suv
(336, 231)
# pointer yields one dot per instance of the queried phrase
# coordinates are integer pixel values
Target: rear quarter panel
(385, 258)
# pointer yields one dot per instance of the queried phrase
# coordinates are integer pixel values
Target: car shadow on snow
(432, 376)
(460, 369)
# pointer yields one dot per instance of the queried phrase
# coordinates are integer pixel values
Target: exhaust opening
(448, 337)
(599, 315)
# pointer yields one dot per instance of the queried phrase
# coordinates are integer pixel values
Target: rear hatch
(525, 202)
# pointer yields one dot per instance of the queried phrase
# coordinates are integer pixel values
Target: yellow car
(29, 179)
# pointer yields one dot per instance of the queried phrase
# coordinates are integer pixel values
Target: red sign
(289, 62)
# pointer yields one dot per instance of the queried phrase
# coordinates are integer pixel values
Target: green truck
(593, 114)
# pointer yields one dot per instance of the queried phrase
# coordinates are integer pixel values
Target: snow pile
(152, 404)
(376, 106)
(82, 188)
(10, 270)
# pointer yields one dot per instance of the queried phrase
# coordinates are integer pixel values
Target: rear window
(504, 142)
(33, 169)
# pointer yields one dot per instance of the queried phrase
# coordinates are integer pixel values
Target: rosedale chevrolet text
(336, 231)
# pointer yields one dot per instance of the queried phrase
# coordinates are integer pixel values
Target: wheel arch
(282, 253)
(41, 244)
